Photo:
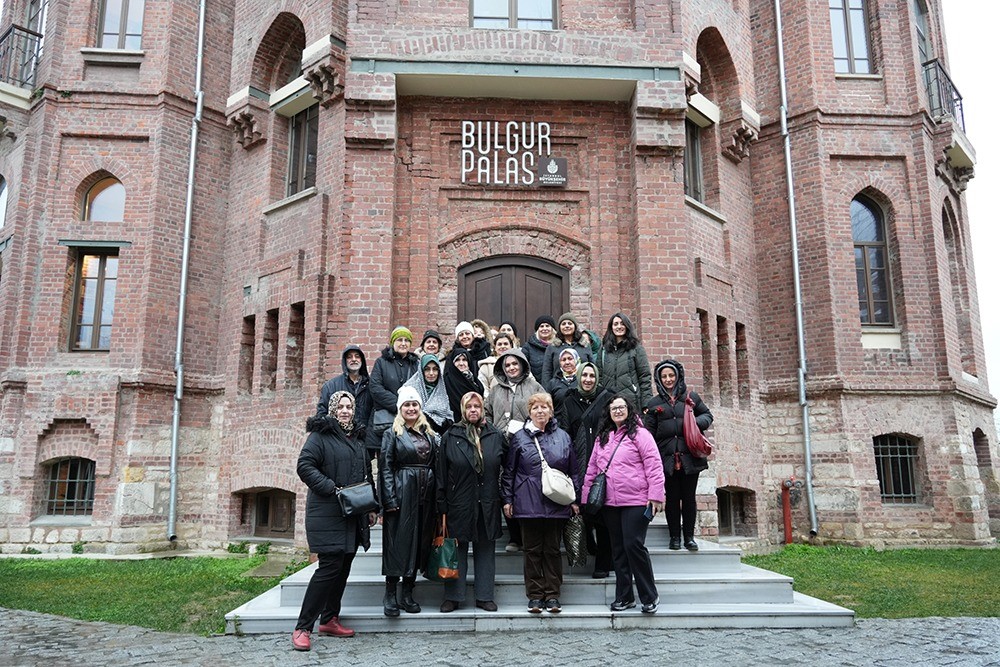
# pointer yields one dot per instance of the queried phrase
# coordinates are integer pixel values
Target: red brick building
(370, 163)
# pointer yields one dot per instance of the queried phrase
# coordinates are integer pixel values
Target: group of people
(461, 438)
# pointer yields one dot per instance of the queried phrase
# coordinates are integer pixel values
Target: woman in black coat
(392, 369)
(469, 466)
(460, 379)
(332, 456)
(409, 449)
(665, 420)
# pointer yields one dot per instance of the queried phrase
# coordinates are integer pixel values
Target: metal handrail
(943, 99)
(20, 50)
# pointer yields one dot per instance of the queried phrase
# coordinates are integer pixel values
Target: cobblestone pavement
(29, 639)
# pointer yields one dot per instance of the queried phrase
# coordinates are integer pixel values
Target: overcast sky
(970, 25)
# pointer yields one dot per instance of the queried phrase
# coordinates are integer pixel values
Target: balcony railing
(20, 49)
(942, 96)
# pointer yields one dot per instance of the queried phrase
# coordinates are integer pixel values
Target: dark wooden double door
(514, 288)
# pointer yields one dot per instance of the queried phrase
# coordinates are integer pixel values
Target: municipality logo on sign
(552, 172)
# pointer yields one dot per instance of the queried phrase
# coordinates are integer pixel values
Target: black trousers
(599, 543)
(681, 509)
(325, 590)
(627, 527)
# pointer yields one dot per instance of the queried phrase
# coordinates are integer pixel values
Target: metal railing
(20, 50)
(942, 96)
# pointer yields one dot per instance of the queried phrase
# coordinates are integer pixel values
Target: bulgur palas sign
(512, 153)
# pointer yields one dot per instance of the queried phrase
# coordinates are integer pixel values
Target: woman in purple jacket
(634, 496)
(541, 519)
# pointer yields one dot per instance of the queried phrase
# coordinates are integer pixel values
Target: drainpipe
(799, 320)
(185, 259)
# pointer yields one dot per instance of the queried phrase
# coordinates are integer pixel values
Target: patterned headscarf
(331, 408)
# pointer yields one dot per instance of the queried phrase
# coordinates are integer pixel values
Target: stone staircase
(707, 589)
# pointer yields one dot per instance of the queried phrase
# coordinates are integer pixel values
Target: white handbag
(557, 486)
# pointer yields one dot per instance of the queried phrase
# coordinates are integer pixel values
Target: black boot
(675, 544)
(690, 544)
(407, 603)
(389, 605)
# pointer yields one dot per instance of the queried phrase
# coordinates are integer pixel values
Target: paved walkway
(29, 639)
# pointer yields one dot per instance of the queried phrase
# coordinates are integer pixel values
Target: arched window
(105, 201)
(70, 488)
(3, 201)
(871, 263)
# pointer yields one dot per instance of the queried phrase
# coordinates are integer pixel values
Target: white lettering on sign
(498, 153)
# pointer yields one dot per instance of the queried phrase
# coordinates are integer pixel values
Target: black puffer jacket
(332, 458)
(665, 420)
(461, 491)
(362, 396)
(534, 352)
(581, 416)
(388, 375)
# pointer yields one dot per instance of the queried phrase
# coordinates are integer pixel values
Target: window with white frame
(520, 14)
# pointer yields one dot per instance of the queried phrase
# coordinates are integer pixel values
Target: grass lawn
(177, 594)
(904, 583)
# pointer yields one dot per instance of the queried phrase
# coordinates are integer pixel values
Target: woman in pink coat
(634, 495)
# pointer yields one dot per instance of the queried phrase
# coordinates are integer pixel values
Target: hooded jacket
(332, 458)
(625, 367)
(664, 418)
(359, 389)
(508, 400)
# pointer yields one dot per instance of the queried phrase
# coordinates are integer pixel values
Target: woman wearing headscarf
(623, 362)
(634, 494)
(429, 385)
(469, 465)
(580, 417)
(392, 369)
(507, 409)
(459, 379)
(407, 481)
(542, 520)
(567, 335)
(565, 377)
(501, 344)
(664, 418)
(332, 456)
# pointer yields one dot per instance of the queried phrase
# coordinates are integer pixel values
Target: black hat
(430, 333)
(543, 319)
(513, 327)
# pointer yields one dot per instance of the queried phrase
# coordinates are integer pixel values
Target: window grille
(896, 465)
(71, 488)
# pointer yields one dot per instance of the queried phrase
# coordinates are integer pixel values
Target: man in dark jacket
(354, 380)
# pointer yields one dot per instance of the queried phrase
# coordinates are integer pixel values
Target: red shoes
(335, 629)
(300, 640)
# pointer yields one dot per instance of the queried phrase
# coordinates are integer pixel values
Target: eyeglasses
(618, 408)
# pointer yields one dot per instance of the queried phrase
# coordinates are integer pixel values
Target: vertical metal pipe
(799, 320)
(185, 258)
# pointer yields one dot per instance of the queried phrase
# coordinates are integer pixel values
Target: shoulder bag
(557, 486)
(699, 446)
(598, 493)
(357, 499)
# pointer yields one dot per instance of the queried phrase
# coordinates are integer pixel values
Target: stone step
(264, 615)
(749, 585)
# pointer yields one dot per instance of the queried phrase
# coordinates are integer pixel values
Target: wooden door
(514, 288)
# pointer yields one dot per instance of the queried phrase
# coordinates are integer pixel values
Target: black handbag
(357, 499)
(598, 493)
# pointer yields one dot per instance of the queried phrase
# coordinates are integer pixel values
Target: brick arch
(256, 481)
(527, 241)
(95, 170)
(68, 438)
(719, 80)
(259, 458)
(278, 52)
